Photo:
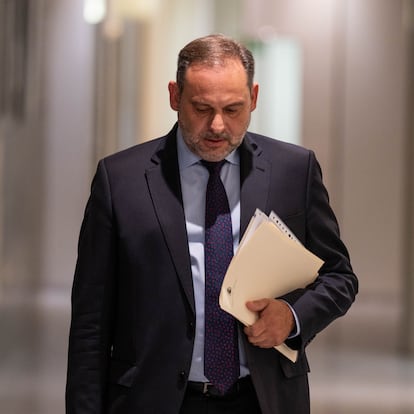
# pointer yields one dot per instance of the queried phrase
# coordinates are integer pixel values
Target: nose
(217, 124)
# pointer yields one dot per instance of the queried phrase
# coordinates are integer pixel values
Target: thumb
(257, 305)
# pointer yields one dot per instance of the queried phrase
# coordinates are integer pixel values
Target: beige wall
(21, 173)
(354, 116)
(46, 164)
(373, 158)
(68, 130)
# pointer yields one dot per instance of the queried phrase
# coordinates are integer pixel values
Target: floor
(351, 382)
(33, 361)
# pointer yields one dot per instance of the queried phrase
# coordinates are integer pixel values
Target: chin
(214, 156)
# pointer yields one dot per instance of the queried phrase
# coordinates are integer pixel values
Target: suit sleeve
(334, 290)
(92, 303)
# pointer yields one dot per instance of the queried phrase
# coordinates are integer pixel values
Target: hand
(275, 323)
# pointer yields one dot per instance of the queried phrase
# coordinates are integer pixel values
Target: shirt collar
(186, 158)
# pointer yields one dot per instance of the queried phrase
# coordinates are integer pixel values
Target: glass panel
(279, 74)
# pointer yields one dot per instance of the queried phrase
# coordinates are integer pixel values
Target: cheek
(192, 126)
(238, 126)
(196, 123)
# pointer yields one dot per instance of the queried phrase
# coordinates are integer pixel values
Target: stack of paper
(269, 263)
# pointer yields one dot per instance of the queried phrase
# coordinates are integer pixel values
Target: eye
(202, 109)
(232, 110)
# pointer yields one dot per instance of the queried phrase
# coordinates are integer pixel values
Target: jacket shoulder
(137, 153)
(142, 156)
(271, 147)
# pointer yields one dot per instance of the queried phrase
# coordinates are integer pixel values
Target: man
(141, 338)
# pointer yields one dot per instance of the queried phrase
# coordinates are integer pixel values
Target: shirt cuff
(296, 331)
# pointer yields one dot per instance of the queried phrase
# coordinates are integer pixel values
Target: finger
(260, 326)
(261, 341)
(266, 340)
(255, 330)
(257, 305)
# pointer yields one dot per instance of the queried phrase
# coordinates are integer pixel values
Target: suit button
(182, 378)
(191, 330)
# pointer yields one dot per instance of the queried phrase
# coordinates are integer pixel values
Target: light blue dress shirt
(194, 177)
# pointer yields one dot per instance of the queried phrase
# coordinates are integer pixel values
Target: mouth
(215, 138)
(214, 142)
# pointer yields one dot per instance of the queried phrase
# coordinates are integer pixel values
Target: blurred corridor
(76, 84)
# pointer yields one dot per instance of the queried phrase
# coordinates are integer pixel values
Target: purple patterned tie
(221, 354)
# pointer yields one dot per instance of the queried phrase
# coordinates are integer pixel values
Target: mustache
(216, 137)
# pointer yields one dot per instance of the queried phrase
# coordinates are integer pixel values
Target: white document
(269, 263)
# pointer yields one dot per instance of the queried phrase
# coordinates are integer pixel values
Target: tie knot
(213, 167)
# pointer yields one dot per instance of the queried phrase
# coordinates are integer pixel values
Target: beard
(203, 144)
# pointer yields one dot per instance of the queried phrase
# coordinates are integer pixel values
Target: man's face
(214, 108)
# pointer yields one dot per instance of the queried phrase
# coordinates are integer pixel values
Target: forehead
(227, 73)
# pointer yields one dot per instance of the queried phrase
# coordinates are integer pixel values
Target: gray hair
(213, 50)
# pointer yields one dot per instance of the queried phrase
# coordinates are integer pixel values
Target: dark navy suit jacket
(133, 311)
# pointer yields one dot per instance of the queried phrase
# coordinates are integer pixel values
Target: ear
(254, 94)
(174, 95)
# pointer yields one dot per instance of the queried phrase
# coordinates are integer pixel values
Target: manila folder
(269, 265)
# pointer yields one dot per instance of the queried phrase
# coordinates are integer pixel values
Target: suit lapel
(164, 185)
(165, 189)
(254, 181)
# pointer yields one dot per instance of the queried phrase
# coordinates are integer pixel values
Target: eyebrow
(238, 103)
(202, 103)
